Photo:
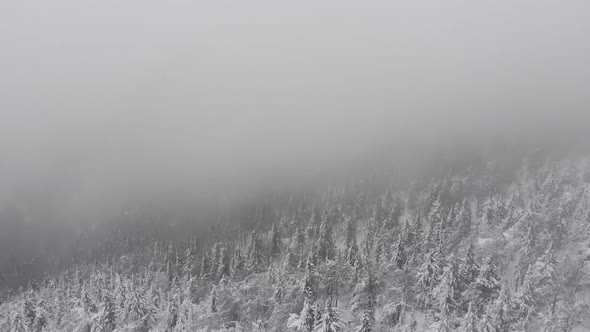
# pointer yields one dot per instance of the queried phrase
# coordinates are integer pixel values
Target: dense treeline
(459, 252)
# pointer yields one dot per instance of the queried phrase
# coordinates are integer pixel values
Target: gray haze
(115, 101)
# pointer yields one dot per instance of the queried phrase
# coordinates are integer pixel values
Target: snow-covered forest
(294, 166)
(469, 250)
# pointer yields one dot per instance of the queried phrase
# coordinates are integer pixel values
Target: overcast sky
(115, 98)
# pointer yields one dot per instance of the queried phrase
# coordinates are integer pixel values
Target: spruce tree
(447, 292)
(370, 294)
(469, 321)
(350, 232)
(238, 263)
(106, 320)
(205, 270)
(275, 242)
(486, 285)
(256, 261)
(428, 276)
(171, 315)
(469, 268)
(401, 256)
(41, 317)
(310, 285)
(214, 261)
(213, 301)
(326, 246)
(352, 254)
(330, 321)
(307, 317)
(136, 306)
(223, 267)
(189, 262)
(315, 220)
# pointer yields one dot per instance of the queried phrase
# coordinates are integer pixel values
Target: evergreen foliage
(466, 257)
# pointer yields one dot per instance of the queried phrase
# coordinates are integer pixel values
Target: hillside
(464, 251)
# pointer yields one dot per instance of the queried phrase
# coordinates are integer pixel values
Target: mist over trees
(490, 246)
(294, 166)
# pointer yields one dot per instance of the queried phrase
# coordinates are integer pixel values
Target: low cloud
(111, 102)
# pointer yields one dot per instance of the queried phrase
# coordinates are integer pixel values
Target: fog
(105, 103)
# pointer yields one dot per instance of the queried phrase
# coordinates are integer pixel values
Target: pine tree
(400, 254)
(279, 292)
(106, 320)
(486, 285)
(352, 254)
(136, 306)
(290, 260)
(351, 243)
(223, 267)
(428, 276)
(120, 293)
(462, 223)
(88, 304)
(170, 271)
(326, 246)
(469, 321)
(501, 310)
(307, 317)
(489, 210)
(239, 263)
(469, 268)
(531, 236)
(18, 324)
(285, 224)
(367, 244)
(313, 227)
(370, 302)
(28, 313)
(379, 247)
(170, 255)
(432, 237)
(189, 262)
(205, 267)
(298, 244)
(526, 293)
(213, 301)
(41, 317)
(330, 321)
(366, 323)
(445, 321)
(310, 285)
(331, 283)
(214, 262)
(486, 323)
(275, 242)
(447, 292)
(171, 315)
(547, 282)
(550, 186)
(179, 263)
(468, 272)
(255, 254)
(436, 213)
(299, 237)
(414, 239)
(359, 267)
(350, 232)
(154, 296)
